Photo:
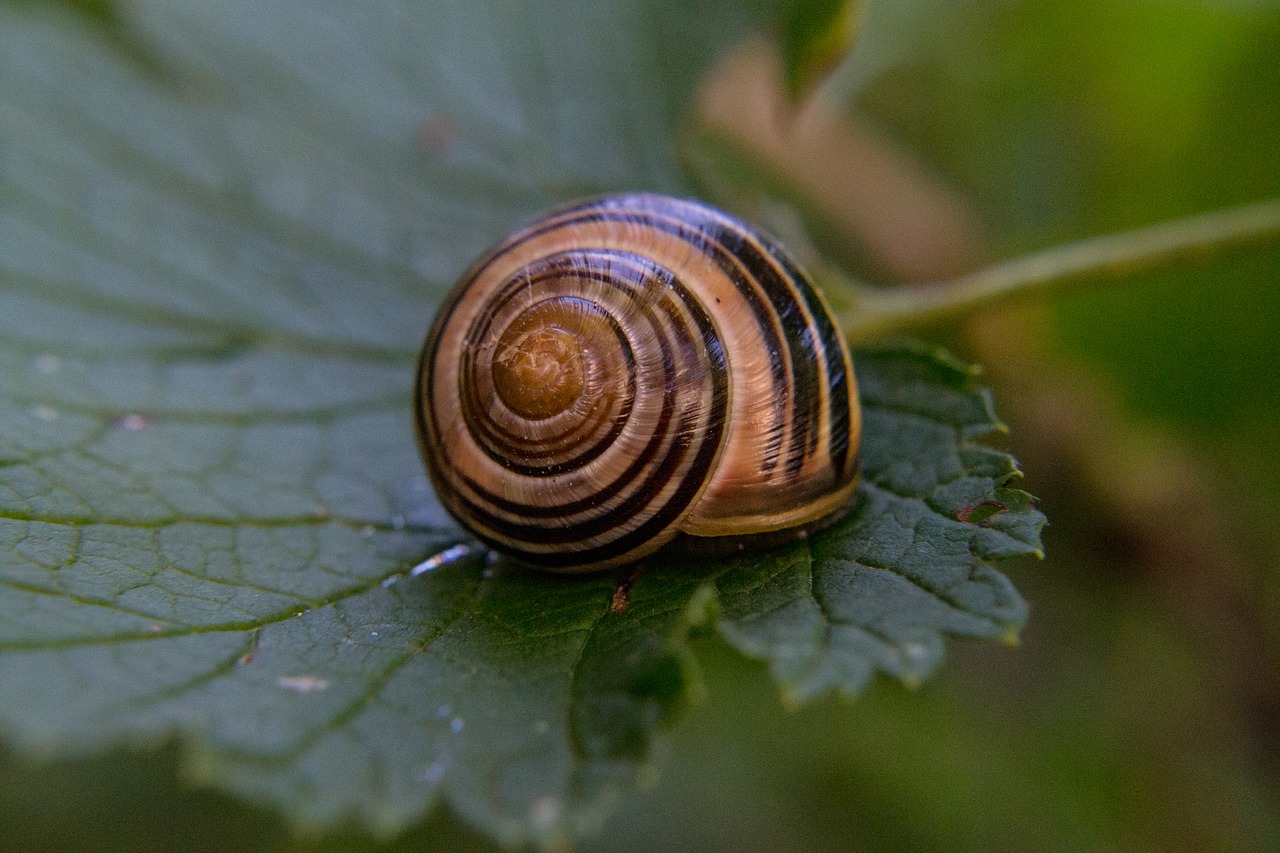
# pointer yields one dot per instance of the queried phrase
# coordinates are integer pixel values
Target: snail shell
(630, 368)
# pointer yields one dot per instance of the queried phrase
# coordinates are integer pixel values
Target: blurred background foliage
(1142, 709)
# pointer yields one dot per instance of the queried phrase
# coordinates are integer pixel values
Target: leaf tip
(817, 35)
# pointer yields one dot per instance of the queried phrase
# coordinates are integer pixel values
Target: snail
(631, 369)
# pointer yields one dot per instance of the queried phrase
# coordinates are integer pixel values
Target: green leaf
(912, 561)
(816, 36)
(215, 265)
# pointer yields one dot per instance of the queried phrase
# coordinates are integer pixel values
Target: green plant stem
(874, 312)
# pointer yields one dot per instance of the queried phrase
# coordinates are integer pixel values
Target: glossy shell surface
(629, 368)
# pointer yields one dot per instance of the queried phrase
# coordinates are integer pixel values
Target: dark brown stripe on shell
(509, 535)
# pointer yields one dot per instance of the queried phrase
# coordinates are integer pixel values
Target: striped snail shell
(630, 368)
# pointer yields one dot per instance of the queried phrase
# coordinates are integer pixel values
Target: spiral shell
(629, 368)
